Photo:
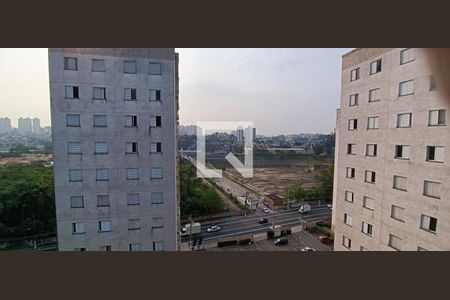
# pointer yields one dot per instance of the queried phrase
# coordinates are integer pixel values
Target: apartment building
(115, 129)
(392, 165)
(5, 125)
(25, 125)
(36, 126)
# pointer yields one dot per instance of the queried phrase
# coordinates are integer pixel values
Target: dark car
(280, 242)
(263, 221)
(325, 239)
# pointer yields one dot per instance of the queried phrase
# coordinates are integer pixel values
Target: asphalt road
(236, 226)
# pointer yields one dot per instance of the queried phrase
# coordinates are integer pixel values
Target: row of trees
(197, 198)
(27, 205)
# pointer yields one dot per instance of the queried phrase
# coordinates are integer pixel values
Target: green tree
(326, 177)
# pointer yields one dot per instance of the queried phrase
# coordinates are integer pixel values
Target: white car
(266, 210)
(307, 249)
(213, 228)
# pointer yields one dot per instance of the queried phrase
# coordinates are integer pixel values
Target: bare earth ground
(276, 180)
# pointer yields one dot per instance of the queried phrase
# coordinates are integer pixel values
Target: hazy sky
(280, 90)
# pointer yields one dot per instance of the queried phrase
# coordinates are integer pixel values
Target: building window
(370, 177)
(75, 175)
(155, 147)
(436, 117)
(132, 148)
(130, 94)
(374, 95)
(399, 183)
(99, 93)
(130, 121)
(432, 189)
(133, 199)
(368, 203)
(354, 74)
(348, 219)
(70, 63)
(104, 226)
(428, 223)
(100, 121)
(402, 151)
(435, 153)
(421, 249)
(73, 120)
(407, 55)
(102, 174)
(154, 69)
(157, 173)
(132, 173)
(351, 148)
(350, 172)
(157, 198)
(157, 223)
(346, 242)
(135, 247)
(406, 88)
(78, 228)
(83, 249)
(106, 248)
(398, 213)
(371, 150)
(98, 65)
(155, 95)
(158, 246)
(349, 196)
(433, 84)
(375, 67)
(372, 122)
(103, 200)
(130, 67)
(71, 92)
(353, 99)
(101, 148)
(367, 228)
(155, 121)
(395, 242)
(134, 224)
(73, 148)
(353, 124)
(404, 120)
(363, 249)
(76, 202)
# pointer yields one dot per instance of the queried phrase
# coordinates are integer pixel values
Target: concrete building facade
(392, 152)
(115, 130)
(5, 125)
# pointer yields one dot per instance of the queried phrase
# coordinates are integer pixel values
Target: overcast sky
(280, 90)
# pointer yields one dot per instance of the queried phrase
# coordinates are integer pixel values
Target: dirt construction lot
(296, 243)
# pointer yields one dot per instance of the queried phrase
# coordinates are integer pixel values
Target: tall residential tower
(392, 165)
(114, 127)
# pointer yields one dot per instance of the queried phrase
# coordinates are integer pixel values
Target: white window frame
(78, 228)
(134, 224)
(101, 148)
(135, 247)
(70, 63)
(354, 74)
(157, 198)
(407, 55)
(348, 219)
(351, 149)
(346, 242)
(368, 203)
(74, 199)
(432, 189)
(103, 200)
(371, 150)
(102, 172)
(425, 223)
(75, 175)
(374, 95)
(376, 66)
(437, 117)
(133, 199)
(157, 173)
(153, 95)
(406, 88)
(158, 246)
(352, 123)
(372, 174)
(104, 226)
(130, 146)
(69, 92)
(405, 152)
(438, 154)
(400, 183)
(395, 242)
(130, 67)
(154, 147)
(353, 100)
(153, 71)
(367, 228)
(400, 122)
(73, 148)
(398, 213)
(132, 173)
(373, 123)
(98, 65)
(98, 93)
(128, 94)
(349, 196)
(350, 171)
(100, 121)
(129, 121)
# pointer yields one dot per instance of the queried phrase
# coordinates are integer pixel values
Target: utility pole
(245, 204)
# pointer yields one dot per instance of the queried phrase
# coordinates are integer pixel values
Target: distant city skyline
(283, 91)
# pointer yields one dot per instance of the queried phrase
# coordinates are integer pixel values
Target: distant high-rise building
(114, 131)
(188, 130)
(240, 134)
(391, 181)
(5, 125)
(25, 125)
(36, 126)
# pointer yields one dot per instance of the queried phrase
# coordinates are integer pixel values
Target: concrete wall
(416, 169)
(116, 135)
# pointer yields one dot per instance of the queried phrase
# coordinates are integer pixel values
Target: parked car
(280, 242)
(263, 221)
(304, 209)
(325, 239)
(307, 249)
(266, 210)
(213, 228)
